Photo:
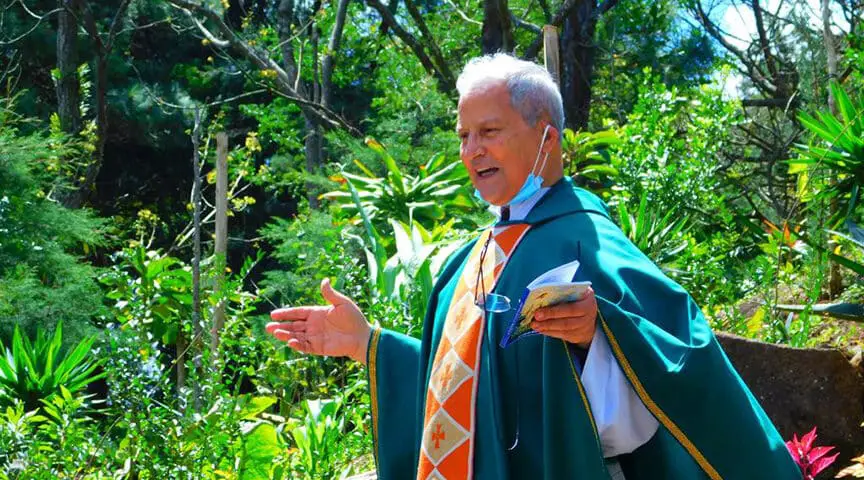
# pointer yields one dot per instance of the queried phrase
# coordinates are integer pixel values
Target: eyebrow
(482, 123)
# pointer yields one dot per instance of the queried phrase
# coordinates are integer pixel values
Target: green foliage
(660, 235)
(832, 165)
(33, 373)
(645, 34)
(662, 149)
(673, 148)
(437, 193)
(587, 159)
(152, 291)
(41, 277)
(320, 434)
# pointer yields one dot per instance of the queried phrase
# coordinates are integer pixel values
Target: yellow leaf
(374, 144)
(755, 322)
(853, 471)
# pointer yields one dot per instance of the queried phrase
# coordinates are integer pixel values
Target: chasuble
(447, 407)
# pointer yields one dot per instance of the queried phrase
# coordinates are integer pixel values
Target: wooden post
(550, 52)
(221, 248)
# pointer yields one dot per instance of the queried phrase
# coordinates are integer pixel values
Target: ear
(553, 139)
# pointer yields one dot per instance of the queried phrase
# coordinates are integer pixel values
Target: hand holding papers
(551, 288)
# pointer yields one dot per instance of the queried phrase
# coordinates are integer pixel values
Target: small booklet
(551, 288)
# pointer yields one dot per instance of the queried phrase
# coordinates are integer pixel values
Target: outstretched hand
(339, 329)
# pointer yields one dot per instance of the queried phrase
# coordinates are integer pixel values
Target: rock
(803, 388)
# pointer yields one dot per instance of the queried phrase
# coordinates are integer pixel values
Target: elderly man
(628, 383)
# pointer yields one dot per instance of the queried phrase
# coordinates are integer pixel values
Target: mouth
(486, 172)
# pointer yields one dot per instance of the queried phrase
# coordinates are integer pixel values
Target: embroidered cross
(446, 376)
(438, 435)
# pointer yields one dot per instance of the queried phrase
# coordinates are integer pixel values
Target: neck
(553, 173)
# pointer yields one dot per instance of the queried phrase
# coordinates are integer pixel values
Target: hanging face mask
(533, 182)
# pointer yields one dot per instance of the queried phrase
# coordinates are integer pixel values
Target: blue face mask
(533, 182)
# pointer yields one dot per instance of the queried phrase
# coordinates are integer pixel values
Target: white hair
(533, 93)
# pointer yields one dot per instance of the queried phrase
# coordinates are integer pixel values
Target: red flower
(812, 460)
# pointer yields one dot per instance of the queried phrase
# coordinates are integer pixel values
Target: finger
(331, 295)
(563, 324)
(564, 310)
(293, 313)
(581, 339)
(272, 327)
(584, 306)
(296, 340)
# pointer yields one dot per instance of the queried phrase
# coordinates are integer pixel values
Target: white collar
(518, 211)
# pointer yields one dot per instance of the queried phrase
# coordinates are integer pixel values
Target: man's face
(498, 147)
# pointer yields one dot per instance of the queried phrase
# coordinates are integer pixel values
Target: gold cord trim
(581, 391)
(654, 408)
(372, 360)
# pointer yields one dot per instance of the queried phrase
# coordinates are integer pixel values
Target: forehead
(485, 104)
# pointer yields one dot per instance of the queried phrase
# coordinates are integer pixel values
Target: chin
(497, 200)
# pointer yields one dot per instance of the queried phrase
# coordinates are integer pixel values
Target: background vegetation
(727, 138)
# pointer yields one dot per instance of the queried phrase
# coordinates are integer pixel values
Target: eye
(463, 136)
(488, 132)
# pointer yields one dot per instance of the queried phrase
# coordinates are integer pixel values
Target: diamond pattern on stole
(446, 451)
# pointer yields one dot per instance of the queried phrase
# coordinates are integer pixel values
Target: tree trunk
(221, 247)
(830, 51)
(497, 28)
(332, 49)
(196, 262)
(102, 47)
(92, 171)
(313, 160)
(68, 97)
(835, 280)
(577, 45)
(180, 349)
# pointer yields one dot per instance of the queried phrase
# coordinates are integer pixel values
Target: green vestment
(711, 426)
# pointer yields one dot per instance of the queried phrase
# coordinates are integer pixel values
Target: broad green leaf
(260, 447)
(255, 406)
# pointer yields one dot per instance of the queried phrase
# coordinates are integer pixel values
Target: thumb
(331, 295)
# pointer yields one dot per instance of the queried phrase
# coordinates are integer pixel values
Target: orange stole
(447, 447)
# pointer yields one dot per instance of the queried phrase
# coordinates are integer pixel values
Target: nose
(472, 147)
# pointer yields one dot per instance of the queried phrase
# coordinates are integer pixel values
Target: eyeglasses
(491, 302)
(495, 303)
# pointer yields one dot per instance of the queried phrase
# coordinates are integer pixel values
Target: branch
(606, 6)
(763, 40)
(35, 26)
(770, 102)
(447, 85)
(524, 24)
(424, 30)
(753, 70)
(207, 34)
(136, 28)
(463, 14)
(283, 80)
(332, 48)
(115, 23)
(558, 19)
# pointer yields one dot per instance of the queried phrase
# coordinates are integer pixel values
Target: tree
(578, 46)
(68, 98)
(103, 44)
(312, 95)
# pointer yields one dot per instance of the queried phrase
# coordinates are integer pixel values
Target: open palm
(339, 329)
